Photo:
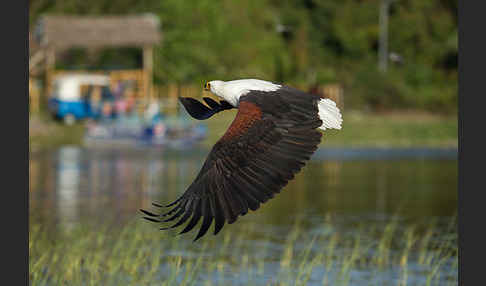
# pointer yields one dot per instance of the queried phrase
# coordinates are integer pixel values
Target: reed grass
(139, 254)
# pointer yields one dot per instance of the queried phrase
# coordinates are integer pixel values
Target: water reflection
(74, 184)
(67, 182)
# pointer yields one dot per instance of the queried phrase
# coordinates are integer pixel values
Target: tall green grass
(139, 254)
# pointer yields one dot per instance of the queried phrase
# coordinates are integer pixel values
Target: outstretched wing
(200, 111)
(269, 141)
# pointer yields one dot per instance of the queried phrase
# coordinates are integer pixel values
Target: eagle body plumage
(271, 138)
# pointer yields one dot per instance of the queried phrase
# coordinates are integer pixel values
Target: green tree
(297, 42)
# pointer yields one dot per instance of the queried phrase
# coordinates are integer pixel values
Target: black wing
(269, 141)
(200, 111)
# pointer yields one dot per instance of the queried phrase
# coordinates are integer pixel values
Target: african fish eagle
(272, 136)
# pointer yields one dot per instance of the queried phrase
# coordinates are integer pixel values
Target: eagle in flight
(272, 136)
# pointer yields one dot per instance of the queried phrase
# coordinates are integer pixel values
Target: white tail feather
(329, 114)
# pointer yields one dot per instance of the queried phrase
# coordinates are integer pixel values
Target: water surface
(72, 186)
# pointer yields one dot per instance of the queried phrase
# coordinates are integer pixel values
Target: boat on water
(171, 132)
(152, 128)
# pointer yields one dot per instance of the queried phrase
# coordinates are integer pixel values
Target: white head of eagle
(232, 90)
(271, 138)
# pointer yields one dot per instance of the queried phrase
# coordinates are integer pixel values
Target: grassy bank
(404, 129)
(139, 254)
(44, 132)
(397, 129)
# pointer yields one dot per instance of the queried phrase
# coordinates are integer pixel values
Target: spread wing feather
(240, 172)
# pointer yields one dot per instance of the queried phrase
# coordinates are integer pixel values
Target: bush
(401, 88)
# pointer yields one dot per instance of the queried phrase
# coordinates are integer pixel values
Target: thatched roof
(61, 32)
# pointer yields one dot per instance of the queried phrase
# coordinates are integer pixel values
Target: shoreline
(391, 130)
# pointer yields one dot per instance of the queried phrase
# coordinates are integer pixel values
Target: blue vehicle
(67, 101)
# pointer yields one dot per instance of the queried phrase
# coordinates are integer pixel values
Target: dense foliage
(298, 42)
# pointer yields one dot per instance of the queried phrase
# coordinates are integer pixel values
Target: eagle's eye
(207, 86)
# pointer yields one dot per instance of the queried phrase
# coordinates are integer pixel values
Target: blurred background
(377, 203)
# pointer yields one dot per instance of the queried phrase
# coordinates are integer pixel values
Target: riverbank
(387, 130)
(45, 132)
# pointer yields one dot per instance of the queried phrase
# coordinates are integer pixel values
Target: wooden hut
(57, 33)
